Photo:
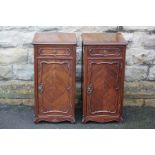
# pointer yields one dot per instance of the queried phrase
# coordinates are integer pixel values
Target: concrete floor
(21, 117)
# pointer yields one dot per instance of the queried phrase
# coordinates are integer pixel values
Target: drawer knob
(90, 89)
(40, 88)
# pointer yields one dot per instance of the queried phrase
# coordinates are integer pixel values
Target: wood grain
(103, 39)
(103, 77)
(54, 38)
(54, 66)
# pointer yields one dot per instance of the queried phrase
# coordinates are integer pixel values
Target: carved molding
(54, 51)
(119, 64)
(54, 118)
(105, 52)
(68, 88)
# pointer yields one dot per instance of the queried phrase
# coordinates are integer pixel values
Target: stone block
(16, 38)
(138, 28)
(137, 40)
(150, 102)
(78, 55)
(136, 72)
(139, 102)
(23, 72)
(78, 85)
(140, 56)
(29, 102)
(78, 72)
(87, 29)
(151, 75)
(133, 102)
(6, 72)
(13, 56)
(16, 89)
(31, 56)
(140, 89)
(128, 36)
(149, 42)
(46, 28)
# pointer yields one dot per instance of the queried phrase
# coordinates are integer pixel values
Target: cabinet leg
(121, 120)
(36, 121)
(83, 120)
(73, 121)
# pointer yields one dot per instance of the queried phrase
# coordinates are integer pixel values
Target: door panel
(55, 86)
(103, 87)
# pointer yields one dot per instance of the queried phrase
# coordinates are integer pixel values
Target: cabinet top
(54, 38)
(103, 39)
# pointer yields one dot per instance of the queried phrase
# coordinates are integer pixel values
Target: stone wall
(16, 62)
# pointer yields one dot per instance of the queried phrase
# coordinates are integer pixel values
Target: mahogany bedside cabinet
(103, 76)
(54, 76)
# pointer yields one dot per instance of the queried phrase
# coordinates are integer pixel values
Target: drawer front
(54, 51)
(105, 52)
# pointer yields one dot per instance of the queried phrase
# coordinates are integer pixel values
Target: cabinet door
(55, 87)
(104, 87)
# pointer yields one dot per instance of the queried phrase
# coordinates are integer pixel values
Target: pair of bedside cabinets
(103, 66)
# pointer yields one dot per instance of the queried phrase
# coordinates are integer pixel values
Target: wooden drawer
(54, 51)
(102, 51)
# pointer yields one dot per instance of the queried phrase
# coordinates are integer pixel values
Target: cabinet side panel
(123, 80)
(35, 81)
(84, 84)
(74, 81)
